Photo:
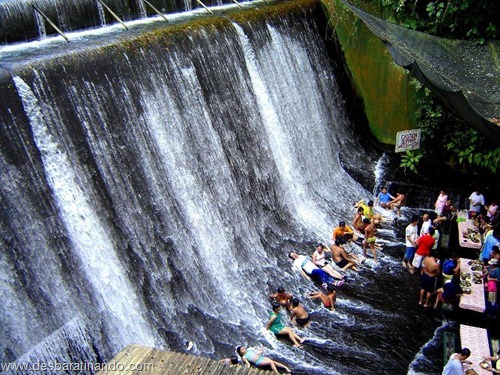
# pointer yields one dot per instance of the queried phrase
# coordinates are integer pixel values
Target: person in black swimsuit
(300, 314)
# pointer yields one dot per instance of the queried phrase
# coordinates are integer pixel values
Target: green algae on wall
(388, 98)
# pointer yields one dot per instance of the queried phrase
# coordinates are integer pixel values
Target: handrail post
(204, 6)
(113, 14)
(156, 10)
(50, 22)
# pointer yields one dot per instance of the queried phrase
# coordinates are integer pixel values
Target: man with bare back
(428, 278)
(370, 238)
(341, 258)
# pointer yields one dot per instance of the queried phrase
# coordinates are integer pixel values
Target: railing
(44, 15)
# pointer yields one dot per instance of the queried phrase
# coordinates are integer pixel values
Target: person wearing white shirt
(476, 201)
(411, 235)
(426, 223)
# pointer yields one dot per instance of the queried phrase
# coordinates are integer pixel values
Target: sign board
(408, 140)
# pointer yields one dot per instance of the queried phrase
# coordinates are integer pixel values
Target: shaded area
(465, 76)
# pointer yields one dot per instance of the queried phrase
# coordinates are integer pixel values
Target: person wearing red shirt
(424, 246)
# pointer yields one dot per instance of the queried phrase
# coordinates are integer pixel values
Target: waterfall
(153, 186)
(40, 22)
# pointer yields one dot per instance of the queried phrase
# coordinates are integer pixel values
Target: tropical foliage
(444, 134)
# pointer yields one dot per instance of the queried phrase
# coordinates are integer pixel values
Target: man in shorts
(383, 198)
(370, 238)
(299, 315)
(341, 258)
(429, 278)
(424, 247)
(411, 235)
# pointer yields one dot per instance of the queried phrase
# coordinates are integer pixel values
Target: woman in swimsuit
(327, 299)
(253, 356)
(274, 325)
(319, 259)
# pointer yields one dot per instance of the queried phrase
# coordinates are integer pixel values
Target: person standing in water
(370, 238)
(275, 325)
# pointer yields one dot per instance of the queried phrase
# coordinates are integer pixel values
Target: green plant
(410, 159)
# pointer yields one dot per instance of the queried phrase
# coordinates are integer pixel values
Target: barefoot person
(299, 315)
(383, 198)
(357, 222)
(282, 297)
(368, 211)
(328, 299)
(319, 259)
(397, 203)
(370, 238)
(411, 235)
(341, 258)
(310, 270)
(230, 361)
(275, 325)
(428, 279)
(253, 356)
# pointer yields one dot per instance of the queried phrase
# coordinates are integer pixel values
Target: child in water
(328, 299)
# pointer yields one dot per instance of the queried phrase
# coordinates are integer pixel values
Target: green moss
(389, 99)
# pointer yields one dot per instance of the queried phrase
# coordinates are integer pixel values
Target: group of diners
(439, 274)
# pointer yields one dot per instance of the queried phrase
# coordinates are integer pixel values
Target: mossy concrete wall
(383, 86)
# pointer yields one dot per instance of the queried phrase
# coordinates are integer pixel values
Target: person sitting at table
(451, 267)
(448, 213)
(455, 363)
(496, 367)
(491, 211)
(476, 203)
(487, 249)
(449, 292)
(492, 281)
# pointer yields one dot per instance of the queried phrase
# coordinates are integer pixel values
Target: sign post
(408, 140)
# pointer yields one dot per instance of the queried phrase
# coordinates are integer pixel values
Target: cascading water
(151, 190)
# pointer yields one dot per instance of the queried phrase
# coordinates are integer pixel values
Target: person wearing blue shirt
(454, 365)
(383, 198)
(491, 241)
